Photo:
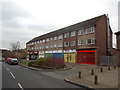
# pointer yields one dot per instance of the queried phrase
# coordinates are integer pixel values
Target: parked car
(7, 59)
(12, 61)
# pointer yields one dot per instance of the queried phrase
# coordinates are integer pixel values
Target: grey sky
(23, 20)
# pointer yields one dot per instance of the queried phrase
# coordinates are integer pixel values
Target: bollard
(108, 67)
(92, 72)
(79, 74)
(101, 69)
(95, 79)
(114, 67)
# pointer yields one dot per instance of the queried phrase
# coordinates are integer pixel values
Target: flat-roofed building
(83, 42)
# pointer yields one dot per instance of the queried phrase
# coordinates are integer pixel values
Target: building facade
(83, 42)
(118, 45)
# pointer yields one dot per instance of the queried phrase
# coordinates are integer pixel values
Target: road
(15, 76)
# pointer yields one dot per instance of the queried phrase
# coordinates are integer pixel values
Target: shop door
(86, 58)
(70, 57)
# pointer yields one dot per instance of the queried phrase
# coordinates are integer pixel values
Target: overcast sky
(22, 20)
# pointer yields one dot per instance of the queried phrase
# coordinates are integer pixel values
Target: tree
(15, 45)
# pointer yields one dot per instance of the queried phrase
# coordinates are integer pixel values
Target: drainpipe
(108, 36)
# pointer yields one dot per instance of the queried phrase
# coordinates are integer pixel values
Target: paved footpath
(106, 79)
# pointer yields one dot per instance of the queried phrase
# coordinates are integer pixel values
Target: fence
(108, 60)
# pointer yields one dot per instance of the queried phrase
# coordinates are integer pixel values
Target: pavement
(106, 79)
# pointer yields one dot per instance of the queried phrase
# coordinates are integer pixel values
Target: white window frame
(66, 35)
(80, 42)
(55, 37)
(51, 46)
(60, 45)
(92, 41)
(90, 28)
(47, 39)
(43, 40)
(72, 43)
(47, 46)
(65, 44)
(60, 36)
(55, 45)
(80, 32)
(51, 38)
(73, 33)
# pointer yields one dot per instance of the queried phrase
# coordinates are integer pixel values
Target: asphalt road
(15, 76)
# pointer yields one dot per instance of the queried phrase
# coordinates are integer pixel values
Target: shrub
(46, 63)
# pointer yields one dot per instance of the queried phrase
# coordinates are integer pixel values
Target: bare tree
(15, 45)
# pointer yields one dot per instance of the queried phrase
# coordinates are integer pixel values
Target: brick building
(83, 42)
(118, 45)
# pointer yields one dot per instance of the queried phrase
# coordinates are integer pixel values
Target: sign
(70, 51)
(57, 51)
(48, 51)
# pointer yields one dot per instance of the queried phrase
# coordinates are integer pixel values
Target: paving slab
(106, 79)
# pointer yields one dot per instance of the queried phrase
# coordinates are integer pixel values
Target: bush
(37, 63)
(46, 63)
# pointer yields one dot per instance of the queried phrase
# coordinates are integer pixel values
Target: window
(51, 39)
(55, 45)
(55, 38)
(39, 47)
(47, 40)
(72, 43)
(66, 35)
(47, 46)
(60, 36)
(51, 46)
(90, 30)
(80, 32)
(60, 45)
(40, 41)
(80, 42)
(90, 41)
(43, 40)
(66, 44)
(72, 33)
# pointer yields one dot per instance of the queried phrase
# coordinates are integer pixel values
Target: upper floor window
(51, 46)
(66, 44)
(51, 38)
(43, 40)
(47, 46)
(60, 45)
(90, 41)
(55, 37)
(37, 41)
(60, 36)
(80, 42)
(40, 41)
(55, 45)
(66, 35)
(72, 33)
(47, 40)
(80, 32)
(89, 30)
(72, 43)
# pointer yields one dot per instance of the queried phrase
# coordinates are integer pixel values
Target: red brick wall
(100, 35)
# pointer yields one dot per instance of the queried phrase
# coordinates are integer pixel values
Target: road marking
(20, 86)
(12, 75)
(7, 68)
(4, 65)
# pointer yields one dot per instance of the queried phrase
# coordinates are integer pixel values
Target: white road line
(12, 75)
(7, 68)
(20, 86)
